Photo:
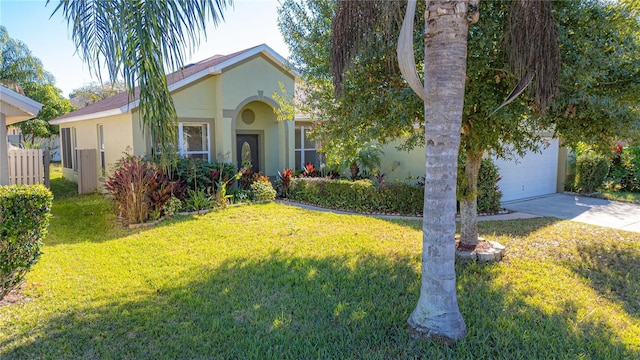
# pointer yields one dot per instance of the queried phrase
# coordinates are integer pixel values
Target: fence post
(47, 168)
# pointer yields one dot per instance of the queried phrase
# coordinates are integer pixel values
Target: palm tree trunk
(437, 314)
(469, 204)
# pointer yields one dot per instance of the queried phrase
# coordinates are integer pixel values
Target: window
(67, 157)
(193, 140)
(101, 148)
(305, 148)
(74, 142)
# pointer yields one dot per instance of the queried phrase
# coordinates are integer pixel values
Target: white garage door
(535, 174)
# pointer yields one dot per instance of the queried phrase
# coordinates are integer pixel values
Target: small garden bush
(24, 215)
(199, 174)
(624, 174)
(591, 171)
(262, 191)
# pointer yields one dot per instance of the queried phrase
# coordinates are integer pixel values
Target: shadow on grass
(613, 271)
(519, 228)
(285, 307)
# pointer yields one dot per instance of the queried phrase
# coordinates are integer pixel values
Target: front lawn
(272, 281)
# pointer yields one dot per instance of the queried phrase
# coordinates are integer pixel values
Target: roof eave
(90, 116)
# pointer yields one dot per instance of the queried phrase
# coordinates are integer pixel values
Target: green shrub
(489, 195)
(361, 195)
(198, 200)
(591, 171)
(199, 174)
(401, 198)
(624, 174)
(262, 191)
(24, 218)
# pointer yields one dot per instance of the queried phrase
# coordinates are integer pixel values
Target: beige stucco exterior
(118, 138)
(398, 164)
(216, 99)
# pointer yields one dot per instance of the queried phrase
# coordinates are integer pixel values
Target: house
(14, 108)
(225, 111)
(534, 174)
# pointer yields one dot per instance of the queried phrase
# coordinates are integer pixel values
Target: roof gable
(122, 102)
(17, 107)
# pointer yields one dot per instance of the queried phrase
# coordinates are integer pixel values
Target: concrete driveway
(613, 214)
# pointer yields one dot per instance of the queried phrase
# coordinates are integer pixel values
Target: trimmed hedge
(591, 171)
(24, 218)
(361, 195)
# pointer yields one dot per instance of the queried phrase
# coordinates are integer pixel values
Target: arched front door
(247, 150)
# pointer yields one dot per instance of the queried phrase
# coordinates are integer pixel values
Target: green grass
(273, 282)
(621, 196)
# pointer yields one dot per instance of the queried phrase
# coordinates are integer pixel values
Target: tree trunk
(469, 202)
(437, 314)
(355, 169)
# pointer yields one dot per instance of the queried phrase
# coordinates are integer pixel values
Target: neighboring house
(534, 174)
(225, 109)
(14, 108)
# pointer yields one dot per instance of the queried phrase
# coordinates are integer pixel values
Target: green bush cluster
(591, 171)
(624, 174)
(24, 218)
(262, 191)
(199, 174)
(489, 194)
(360, 195)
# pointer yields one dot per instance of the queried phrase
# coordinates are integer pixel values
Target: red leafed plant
(310, 170)
(284, 180)
(139, 187)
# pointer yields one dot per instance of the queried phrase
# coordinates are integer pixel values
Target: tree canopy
(18, 66)
(93, 92)
(600, 85)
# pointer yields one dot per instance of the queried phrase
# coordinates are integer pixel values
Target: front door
(247, 150)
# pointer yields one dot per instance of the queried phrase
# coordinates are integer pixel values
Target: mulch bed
(14, 297)
(481, 246)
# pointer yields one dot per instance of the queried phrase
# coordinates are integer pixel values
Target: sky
(248, 23)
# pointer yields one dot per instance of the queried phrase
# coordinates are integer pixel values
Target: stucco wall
(197, 100)
(397, 164)
(251, 78)
(118, 138)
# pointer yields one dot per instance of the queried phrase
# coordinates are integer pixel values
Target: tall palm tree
(137, 40)
(445, 42)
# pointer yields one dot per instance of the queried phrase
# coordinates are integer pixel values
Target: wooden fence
(27, 167)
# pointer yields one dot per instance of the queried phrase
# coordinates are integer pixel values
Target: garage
(534, 174)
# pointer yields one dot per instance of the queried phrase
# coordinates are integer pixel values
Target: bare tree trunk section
(469, 202)
(437, 314)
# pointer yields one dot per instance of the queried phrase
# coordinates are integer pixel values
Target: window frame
(303, 149)
(181, 143)
(67, 144)
(100, 128)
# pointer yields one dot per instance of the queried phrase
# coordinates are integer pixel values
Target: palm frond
(138, 40)
(357, 22)
(532, 46)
